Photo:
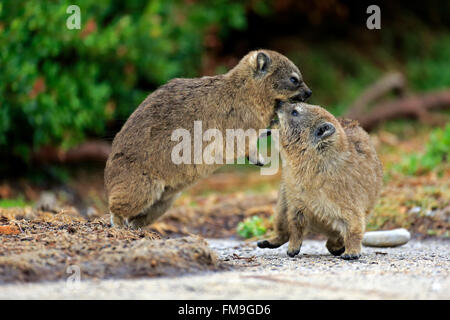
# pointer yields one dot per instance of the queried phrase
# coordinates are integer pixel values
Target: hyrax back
(141, 179)
(330, 183)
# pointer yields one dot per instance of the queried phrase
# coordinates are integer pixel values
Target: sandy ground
(417, 270)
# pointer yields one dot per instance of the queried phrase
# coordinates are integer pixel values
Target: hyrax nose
(307, 94)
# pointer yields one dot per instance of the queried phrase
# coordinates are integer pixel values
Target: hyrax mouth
(275, 121)
(278, 105)
(275, 118)
(297, 98)
(302, 96)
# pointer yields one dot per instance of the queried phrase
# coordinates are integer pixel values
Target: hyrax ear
(262, 63)
(324, 130)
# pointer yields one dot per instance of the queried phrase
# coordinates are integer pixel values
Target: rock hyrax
(330, 183)
(141, 179)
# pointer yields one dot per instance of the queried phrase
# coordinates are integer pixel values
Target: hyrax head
(309, 129)
(275, 76)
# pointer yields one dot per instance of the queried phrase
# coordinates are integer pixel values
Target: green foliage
(251, 227)
(431, 69)
(437, 154)
(338, 71)
(10, 203)
(58, 86)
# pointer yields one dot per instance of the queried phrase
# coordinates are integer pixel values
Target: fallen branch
(416, 106)
(391, 82)
(88, 151)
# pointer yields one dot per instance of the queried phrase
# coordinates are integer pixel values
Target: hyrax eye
(294, 113)
(294, 80)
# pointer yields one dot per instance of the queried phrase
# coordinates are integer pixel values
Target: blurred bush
(253, 227)
(435, 157)
(58, 86)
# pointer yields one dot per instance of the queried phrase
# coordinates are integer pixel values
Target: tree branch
(417, 106)
(391, 82)
(88, 151)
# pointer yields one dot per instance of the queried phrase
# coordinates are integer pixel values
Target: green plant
(436, 155)
(9, 203)
(252, 227)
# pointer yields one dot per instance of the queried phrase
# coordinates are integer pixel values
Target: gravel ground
(417, 270)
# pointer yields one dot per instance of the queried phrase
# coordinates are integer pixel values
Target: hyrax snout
(141, 180)
(330, 183)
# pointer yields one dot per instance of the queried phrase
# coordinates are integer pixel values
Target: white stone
(415, 210)
(388, 238)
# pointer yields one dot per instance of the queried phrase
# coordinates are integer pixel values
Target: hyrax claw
(352, 256)
(293, 253)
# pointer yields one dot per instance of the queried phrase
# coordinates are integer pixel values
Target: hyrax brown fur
(141, 179)
(330, 183)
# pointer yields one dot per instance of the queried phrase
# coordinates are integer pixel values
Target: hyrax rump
(141, 179)
(330, 183)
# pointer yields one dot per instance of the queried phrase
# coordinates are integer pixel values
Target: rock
(47, 202)
(91, 212)
(415, 210)
(389, 238)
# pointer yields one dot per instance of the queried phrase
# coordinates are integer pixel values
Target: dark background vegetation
(59, 87)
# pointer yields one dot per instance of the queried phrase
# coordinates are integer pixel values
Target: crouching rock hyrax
(330, 183)
(141, 179)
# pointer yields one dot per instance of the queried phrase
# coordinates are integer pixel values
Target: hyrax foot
(294, 248)
(152, 213)
(271, 243)
(337, 252)
(293, 252)
(351, 256)
(136, 223)
(117, 221)
(352, 243)
(335, 246)
(267, 244)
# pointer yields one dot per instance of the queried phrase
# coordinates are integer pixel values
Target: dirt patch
(214, 216)
(45, 245)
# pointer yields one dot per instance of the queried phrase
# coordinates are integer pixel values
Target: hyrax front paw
(272, 243)
(294, 248)
(293, 252)
(351, 256)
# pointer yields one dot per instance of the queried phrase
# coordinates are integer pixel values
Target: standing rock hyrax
(141, 179)
(330, 183)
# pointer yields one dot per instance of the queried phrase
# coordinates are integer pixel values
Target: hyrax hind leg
(128, 199)
(153, 212)
(297, 228)
(281, 232)
(335, 245)
(117, 221)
